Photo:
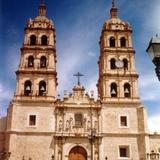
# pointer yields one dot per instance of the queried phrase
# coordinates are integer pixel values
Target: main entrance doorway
(78, 153)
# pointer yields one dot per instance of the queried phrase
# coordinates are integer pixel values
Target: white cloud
(13, 58)
(152, 19)
(74, 52)
(149, 87)
(2, 111)
(91, 54)
(5, 93)
(65, 69)
(92, 86)
(154, 123)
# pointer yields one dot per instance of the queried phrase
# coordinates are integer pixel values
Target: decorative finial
(42, 1)
(78, 75)
(113, 3)
(113, 11)
(42, 9)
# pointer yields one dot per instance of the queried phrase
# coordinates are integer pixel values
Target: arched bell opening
(42, 88)
(27, 88)
(30, 61)
(113, 63)
(32, 40)
(43, 62)
(112, 42)
(123, 42)
(113, 90)
(127, 90)
(44, 40)
(125, 62)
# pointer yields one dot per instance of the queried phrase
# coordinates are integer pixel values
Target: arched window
(27, 88)
(113, 90)
(123, 42)
(127, 90)
(43, 62)
(42, 88)
(125, 62)
(113, 63)
(32, 40)
(44, 40)
(30, 61)
(112, 42)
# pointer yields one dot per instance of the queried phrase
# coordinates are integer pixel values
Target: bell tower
(117, 74)
(37, 76)
(31, 110)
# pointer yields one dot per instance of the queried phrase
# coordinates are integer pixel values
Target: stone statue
(71, 124)
(88, 125)
(67, 125)
(60, 125)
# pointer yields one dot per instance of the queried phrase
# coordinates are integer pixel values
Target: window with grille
(123, 121)
(32, 120)
(124, 152)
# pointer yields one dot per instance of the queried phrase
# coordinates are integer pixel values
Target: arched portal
(78, 153)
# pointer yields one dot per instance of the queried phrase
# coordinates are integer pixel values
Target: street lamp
(92, 138)
(154, 52)
(153, 156)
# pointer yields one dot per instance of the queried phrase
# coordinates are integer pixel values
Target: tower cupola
(114, 10)
(42, 9)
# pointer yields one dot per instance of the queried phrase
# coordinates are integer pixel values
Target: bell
(28, 88)
(42, 88)
(42, 64)
(30, 63)
(113, 91)
(126, 90)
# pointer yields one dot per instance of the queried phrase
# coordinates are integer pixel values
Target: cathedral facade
(42, 126)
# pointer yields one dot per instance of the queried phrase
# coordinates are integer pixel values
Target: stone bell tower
(117, 75)
(123, 115)
(36, 76)
(30, 121)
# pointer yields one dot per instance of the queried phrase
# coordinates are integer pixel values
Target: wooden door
(78, 153)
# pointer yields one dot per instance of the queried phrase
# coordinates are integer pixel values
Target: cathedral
(42, 126)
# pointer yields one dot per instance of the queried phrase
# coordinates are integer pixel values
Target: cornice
(37, 48)
(36, 72)
(38, 28)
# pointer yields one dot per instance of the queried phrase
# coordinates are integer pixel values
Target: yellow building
(41, 126)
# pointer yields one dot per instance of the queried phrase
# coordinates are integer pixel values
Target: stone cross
(78, 75)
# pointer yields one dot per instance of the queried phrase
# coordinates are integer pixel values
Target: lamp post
(153, 156)
(92, 138)
(154, 52)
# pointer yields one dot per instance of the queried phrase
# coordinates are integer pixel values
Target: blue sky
(78, 26)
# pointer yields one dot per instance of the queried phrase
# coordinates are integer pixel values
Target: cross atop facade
(78, 75)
